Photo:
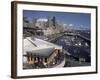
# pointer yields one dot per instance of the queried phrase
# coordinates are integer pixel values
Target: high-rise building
(54, 21)
(34, 22)
(49, 22)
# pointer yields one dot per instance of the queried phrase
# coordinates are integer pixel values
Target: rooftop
(39, 47)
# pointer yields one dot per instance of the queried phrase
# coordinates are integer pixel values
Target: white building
(36, 50)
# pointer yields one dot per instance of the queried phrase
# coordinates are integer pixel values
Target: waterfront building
(37, 51)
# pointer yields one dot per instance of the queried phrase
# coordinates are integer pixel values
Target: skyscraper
(49, 23)
(54, 21)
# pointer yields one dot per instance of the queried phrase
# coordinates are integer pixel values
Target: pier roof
(39, 47)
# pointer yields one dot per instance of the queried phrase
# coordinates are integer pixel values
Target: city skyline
(47, 43)
(68, 18)
(75, 20)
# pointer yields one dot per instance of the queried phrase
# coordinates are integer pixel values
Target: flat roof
(39, 47)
